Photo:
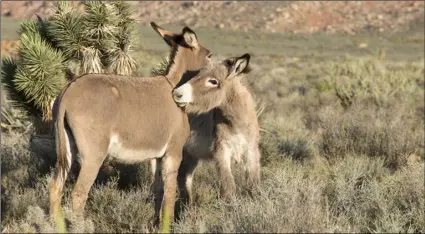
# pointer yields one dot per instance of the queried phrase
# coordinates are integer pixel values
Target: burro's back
(129, 118)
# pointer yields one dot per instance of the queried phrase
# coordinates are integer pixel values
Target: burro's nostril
(177, 94)
(183, 95)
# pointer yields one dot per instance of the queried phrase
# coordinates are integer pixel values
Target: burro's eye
(209, 55)
(212, 82)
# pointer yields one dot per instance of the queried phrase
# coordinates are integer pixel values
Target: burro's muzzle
(183, 95)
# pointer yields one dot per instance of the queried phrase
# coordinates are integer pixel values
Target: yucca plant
(161, 68)
(118, 57)
(40, 73)
(65, 45)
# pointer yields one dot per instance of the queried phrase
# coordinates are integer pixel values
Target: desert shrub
(114, 210)
(364, 196)
(373, 80)
(393, 135)
(402, 200)
(37, 221)
(25, 202)
(23, 176)
(13, 120)
(277, 209)
(286, 135)
(358, 194)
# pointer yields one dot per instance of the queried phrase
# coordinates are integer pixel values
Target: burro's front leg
(223, 157)
(170, 166)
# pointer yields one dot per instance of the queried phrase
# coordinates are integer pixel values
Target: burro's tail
(62, 165)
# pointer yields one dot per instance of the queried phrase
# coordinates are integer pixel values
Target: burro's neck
(176, 68)
(234, 106)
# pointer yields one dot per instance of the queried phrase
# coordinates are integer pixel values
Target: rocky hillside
(297, 17)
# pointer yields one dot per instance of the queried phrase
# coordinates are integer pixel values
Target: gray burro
(129, 118)
(229, 132)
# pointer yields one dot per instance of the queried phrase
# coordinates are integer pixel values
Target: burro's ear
(168, 36)
(190, 37)
(239, 65)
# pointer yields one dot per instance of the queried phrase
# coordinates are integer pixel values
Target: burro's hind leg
(169, 168)
(59, 178)
(252, 170)
(158, 190)
(153, 169)
(92, 153)
(155, 180)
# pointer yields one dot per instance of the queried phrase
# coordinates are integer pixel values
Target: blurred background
(264, 16)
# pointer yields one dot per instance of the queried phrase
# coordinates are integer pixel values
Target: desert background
(341, 91)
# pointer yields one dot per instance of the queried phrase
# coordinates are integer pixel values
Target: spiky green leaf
(125, 10)
(118, 58)
(100, 24)
(28, 27)
(16, 98)
(34, 26)
(63, 7)
(65, 29)
(126, 23)
(40, 73)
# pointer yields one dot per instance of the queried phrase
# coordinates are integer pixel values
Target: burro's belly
(118, 149)
(199, 146)
(235, 146)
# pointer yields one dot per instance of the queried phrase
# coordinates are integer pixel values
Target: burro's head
(210, 88)
(187, 53)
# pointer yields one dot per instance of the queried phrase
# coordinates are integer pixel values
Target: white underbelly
(118, 151)
(237, 146)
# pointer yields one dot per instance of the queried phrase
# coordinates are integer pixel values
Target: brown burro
(229, 131)
(129, 118)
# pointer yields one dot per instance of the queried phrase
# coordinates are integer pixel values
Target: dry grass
(357, 194)
(354, 195)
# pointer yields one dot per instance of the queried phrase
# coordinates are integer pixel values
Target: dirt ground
(270, 16)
